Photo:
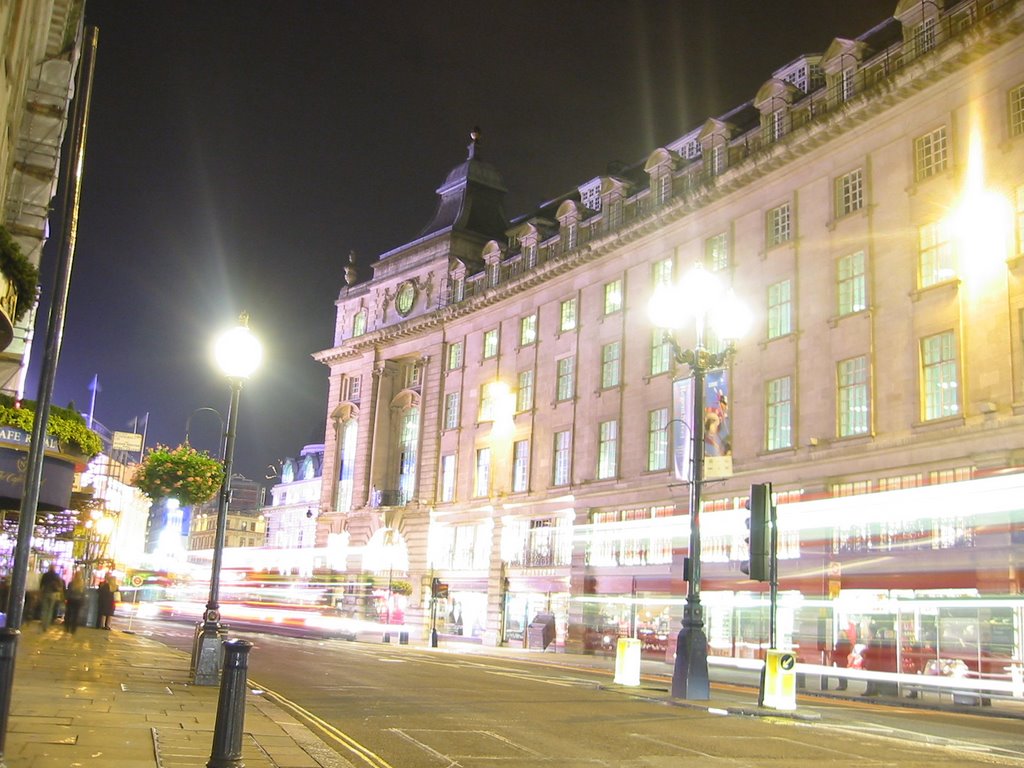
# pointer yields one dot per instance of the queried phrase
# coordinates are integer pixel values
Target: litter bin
(627, 661)
(779, 687)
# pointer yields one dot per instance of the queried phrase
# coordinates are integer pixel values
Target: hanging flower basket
(181, 473)
(64, 424)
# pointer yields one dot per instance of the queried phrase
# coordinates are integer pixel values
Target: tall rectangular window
(524, 392)
(566, 384)
(487, 402)
(853, 399)
(780, 309)
(849, 193)
(779, 225)
(351, 386)
(935, 254)
(454, 355)
(657, 439)
(852, 284)
(612, 297)
(490, 343)
(924, 36)
(661, 353)
(359, 323)
(607, 449)
(930, 154)
(528, 330)
(562, 458)
(716, 252)
(452, 409)
(779, 414)
(1017, 111)
(662, 272)
(939, 376)
(448, 477)
(521, 466)
(611, 355)
(482, 481)
(567, 315)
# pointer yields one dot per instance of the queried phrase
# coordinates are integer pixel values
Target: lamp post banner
(717, 425)
(682, 428)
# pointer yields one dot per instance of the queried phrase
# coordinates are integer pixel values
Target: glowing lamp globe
(238, 352)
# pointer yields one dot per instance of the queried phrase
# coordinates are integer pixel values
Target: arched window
(408, 443)
(347, 463)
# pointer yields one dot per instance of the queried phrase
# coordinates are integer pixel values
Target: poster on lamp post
(717, 424)
(682, 428)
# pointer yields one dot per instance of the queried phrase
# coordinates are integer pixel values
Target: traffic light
(758, 564)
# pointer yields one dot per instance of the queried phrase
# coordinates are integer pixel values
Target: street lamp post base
(208, 654)
(690, 675)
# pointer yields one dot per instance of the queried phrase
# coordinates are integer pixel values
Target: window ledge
(767, 454)
(834, 320)
(859, 213)
(938, 424)
(952, 286)
(791, 337)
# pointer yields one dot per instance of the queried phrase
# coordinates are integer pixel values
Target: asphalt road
(390, 706)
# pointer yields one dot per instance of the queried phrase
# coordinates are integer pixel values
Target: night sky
(237, 151)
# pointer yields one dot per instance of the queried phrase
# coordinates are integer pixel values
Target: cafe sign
(58, 470)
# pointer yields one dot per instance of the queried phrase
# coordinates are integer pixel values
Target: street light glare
(663, 309)
(238, 352)
(731, 318)
(700, 291)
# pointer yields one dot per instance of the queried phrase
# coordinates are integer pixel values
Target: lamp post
(237, 353)
(699, 298)
(188, 421)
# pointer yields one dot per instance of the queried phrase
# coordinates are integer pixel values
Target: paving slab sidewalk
(125, 701)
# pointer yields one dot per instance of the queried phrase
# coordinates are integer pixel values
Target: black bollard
(227, 733)
(8, 650)
(433, 638)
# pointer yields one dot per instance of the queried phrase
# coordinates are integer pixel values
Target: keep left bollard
(227, 733)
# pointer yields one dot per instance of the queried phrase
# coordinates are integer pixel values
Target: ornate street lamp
(237, 353)
(700, 299)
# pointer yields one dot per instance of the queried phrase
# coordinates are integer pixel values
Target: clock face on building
(405, 298)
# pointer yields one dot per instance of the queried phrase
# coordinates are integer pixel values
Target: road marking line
(364, 753)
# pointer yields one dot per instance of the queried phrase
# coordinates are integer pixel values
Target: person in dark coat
(74, 596)
(106, 600)
(51, 588)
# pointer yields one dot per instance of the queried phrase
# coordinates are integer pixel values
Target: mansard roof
(471, 198)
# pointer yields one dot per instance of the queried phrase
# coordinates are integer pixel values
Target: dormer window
(777, 124)
(920, 22)
(924, 36)
(530, 254)
(714, 143)
(571, 235)
(664, 187)
(590, 195)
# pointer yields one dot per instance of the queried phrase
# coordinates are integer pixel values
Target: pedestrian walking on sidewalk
(106, 600)
(51, 588)
(74, 597)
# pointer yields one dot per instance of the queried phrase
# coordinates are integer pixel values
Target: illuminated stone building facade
(40, 45)
(499, 398)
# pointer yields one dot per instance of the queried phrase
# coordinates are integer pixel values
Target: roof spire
(474, 140)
